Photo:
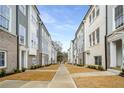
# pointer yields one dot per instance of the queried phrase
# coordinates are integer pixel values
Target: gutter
(106, 39)
(17, 33)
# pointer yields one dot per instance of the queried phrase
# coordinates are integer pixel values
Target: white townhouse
(53, 54)
(46, 40)
(71, 52)
(69, 55)
(115, 35)
(33, 28)
(49, 49)
(75, 51)
(80, 44)
(95, 32)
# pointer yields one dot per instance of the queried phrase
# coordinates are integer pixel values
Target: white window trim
(24, 35)
(10, 20)
(4, 59)
(113, 19)
(24, 13)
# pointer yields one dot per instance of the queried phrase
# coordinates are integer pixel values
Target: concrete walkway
(100, 73)
(23, 84)
(62, 79)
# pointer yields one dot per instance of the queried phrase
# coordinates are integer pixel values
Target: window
(93, 14)
(33, 20)
(34, 61)
(97, 10)
(98, 60)
(22, 34)
(4, 17)
(119, 16)
(34, 41)
(97, 35)
(93, 38)
(2, 58)
(90, 19)
(22, 9)
(90, 40)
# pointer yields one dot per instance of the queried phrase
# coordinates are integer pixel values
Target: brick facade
(8, 43)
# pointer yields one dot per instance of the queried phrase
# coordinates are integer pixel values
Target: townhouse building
(80, 44)
(71, 53)
(39, 54)
(45, 45)
(115, 36)
(49, 49)
(8, 38)
(75, 51)
(33, 28)
(95, 32)
(22, 33)
(90, 39)
(53, 54)
(24, 39)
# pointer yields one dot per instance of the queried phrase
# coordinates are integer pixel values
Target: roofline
(36, 9)
(46, 29)
(91, 6)
(82, 22)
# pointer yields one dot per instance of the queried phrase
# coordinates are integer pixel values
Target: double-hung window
(4, 17)
(119, 17)
(97, 10)
(23, 9)
(97, 35)
(3, 59)
(93, 14)
(22, 34)
(90, 40)
(93, 38)
(98, 60)
(90, 19)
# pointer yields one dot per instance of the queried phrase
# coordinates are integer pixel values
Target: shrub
(97, 67)
(17, 70)
(122, 73)
(23, 69)
(35, 66)
(32, 67)
(122, 70)
(2, 72)
(79, 65)
(100, 68)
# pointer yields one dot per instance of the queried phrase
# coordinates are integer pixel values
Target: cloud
(48, 19)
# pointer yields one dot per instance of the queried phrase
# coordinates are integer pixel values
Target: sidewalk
(62, 79)
(86, 74)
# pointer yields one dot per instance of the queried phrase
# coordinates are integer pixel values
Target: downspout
(40, 31)
(41, 40)
(106, 45)
(17, 33)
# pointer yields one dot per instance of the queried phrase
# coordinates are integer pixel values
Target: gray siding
(23, 20)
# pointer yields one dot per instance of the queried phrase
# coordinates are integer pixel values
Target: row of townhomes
(24, 39)
(99, 40)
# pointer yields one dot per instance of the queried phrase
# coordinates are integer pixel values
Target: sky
(62, 21)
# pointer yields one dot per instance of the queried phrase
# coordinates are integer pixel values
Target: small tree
(59, 56)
